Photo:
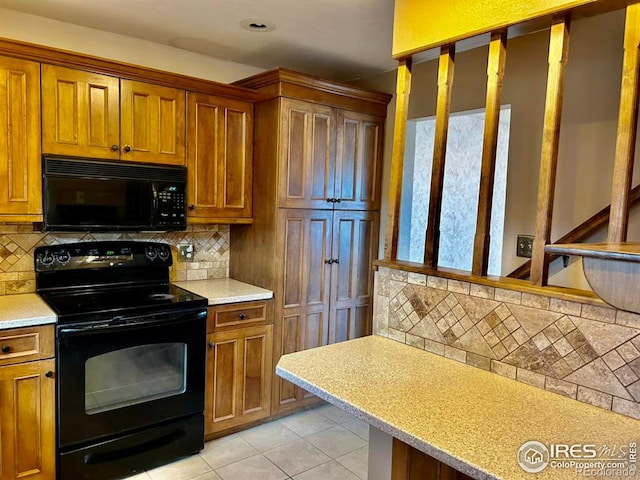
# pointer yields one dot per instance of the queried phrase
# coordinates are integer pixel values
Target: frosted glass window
(461, 187)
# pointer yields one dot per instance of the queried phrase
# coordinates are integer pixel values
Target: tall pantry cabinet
(316, 190)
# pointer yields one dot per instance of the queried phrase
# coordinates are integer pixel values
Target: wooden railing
(622, 196)
(579, 234)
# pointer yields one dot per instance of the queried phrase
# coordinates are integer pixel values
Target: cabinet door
(27, 416)
(152, 125)
(307, 155)
(80, 113)
(302, 291)
(239, 375)
(20, 163)
(219, 157)
(358, 161)
(354, 247)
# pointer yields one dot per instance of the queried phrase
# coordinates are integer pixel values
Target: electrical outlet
(525, 246)
(187, 252)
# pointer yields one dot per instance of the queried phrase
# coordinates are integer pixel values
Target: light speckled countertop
(470, 419)
(25, 310)
(226, 290)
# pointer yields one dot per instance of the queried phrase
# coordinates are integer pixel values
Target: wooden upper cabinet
(219, 158)
(27, 436)
(20, 163)
(307, 155)
(80, 113)
(152, 123)
(358, 161)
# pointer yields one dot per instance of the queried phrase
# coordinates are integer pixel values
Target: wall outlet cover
(524, 247)
(186, 251)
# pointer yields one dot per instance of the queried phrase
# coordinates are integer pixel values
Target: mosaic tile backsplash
(18, 242)
(586, 352)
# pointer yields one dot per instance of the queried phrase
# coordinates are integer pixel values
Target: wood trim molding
(563, 293)
(282, 77)
(43, 54)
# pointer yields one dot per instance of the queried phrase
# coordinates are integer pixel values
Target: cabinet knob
(212, 345)
(337, 200)
(328, 262)
(127, 148)
(242, 316)
(6, 349)
(115, 148)
(329, 200)
(192, 207)
(335, 260)
(49, 374)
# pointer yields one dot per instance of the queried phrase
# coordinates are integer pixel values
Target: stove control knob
(46, 258)
(63, 257)
(164, 253)
(151, 253)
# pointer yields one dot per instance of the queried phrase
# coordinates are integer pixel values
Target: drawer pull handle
(242, 316)
(49, 374)
(6, 349)
(212, 345)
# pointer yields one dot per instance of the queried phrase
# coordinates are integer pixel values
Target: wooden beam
(627, 123)
(443, 108)
(495, 74)
(403, 89)
(558, 51)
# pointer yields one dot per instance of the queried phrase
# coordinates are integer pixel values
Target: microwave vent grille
(121, 170)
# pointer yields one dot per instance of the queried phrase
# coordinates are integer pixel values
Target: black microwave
(82, 194)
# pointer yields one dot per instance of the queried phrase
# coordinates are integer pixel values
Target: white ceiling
(338, 39)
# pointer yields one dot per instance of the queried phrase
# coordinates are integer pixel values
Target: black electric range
(130, 358)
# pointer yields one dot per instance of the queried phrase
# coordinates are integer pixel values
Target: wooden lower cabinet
(239, 374)
(27, 416)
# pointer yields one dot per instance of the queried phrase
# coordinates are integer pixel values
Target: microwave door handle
(155, 202)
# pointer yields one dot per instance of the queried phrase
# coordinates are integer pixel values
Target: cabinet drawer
(25, 344)
(237, 315)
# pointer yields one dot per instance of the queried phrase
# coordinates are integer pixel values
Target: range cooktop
(99, 303)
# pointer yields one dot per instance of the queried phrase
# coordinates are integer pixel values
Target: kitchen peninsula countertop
(220, 291)
(473, 420)
(24, 310)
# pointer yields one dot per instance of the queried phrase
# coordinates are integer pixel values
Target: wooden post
(443, 108)
(495, 73)
(397, 158)
(558, 48)
(627, 122)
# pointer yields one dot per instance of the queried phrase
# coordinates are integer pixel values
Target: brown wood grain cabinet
(86, 114)
(317, 164)
(239, 366)
(219, 159)
(80, 113)
(20, 163)
(27, 397)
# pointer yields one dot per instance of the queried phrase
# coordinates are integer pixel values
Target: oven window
(134, 375)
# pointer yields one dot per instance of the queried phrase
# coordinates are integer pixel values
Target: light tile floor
(324, 443)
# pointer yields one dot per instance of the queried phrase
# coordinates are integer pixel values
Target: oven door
(128, 373)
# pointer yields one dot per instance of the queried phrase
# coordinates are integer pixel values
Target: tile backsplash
(18, 242)
(587, 352)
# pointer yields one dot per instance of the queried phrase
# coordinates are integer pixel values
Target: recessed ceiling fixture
(257, 25)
